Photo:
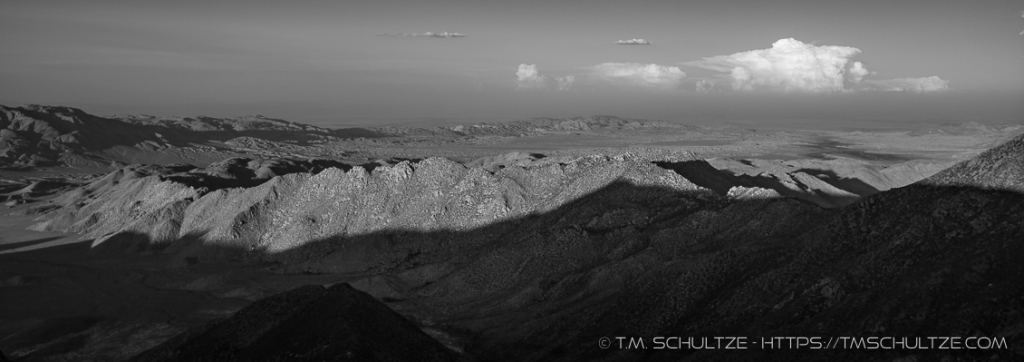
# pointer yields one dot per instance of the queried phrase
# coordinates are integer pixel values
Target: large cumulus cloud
(637, 74)
(794, 66)
(789, 65)
(528, 77)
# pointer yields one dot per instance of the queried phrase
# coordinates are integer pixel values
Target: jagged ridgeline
(245, 205)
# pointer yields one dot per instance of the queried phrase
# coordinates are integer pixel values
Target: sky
(332, 62)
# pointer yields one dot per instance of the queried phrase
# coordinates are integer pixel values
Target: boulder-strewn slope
(310, 323)
(1000, 168)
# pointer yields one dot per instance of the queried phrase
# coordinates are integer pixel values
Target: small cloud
(633, 42)
(857, 72)
(443, 34)
(528, 77)
(705, 86)
(646, 75)
(915, 85)
(564, 83)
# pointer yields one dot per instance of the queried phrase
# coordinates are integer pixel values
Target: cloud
(857, 72)
(789, 65)
(705, 86)
(633, 42)
(528, 77)
(564, 83)
(915, 85)
(443, 34)
(793, 66)
(646, 75)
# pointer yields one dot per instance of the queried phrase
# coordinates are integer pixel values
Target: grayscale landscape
(786, 199)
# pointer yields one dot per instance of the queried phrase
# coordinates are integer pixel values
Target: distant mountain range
(51, 136)
(35, 135)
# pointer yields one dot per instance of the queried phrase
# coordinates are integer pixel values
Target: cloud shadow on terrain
(721, 181)
(629, 260)
(21, 244)
(851, 184)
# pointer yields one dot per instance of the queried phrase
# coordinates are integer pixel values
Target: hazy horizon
(325, 63)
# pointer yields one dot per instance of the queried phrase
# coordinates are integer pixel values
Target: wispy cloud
(443, 34)
(915, 85)
(564, 83)
(645, 75)
(633, 42)
(793, 66)
(528, 77)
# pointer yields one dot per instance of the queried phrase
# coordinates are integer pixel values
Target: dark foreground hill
(310, 323)
(540, 262)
